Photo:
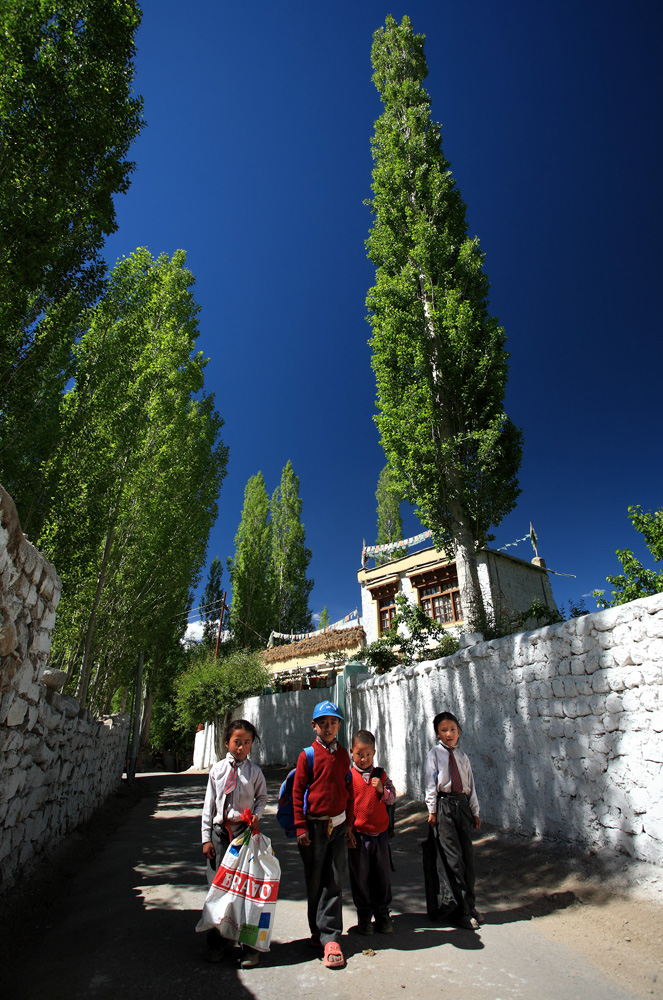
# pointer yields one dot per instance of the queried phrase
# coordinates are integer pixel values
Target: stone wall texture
(57, 763)
(563, 726)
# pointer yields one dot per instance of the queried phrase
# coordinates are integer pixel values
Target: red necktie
(454, 773)
(231, 780)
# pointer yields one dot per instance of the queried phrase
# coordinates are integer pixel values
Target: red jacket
(330, 790)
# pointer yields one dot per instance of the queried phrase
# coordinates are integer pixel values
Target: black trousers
(369, 864)
(221, 842)
(454, 829)
(324, 871)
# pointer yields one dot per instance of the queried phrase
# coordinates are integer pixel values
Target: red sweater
(370, 811)
(329, 794)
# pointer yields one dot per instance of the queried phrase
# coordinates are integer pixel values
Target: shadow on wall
(283, 722)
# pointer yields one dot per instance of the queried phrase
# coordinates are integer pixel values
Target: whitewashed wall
(563, 726)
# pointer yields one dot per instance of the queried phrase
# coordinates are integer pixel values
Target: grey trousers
(324, 870)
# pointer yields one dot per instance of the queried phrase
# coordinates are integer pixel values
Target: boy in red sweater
(370, 860)
(322, 804)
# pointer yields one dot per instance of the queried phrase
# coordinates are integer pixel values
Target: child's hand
(303, 839)
(432, 819)
(476, 822)
(253, 822)
(350, 838)
(208, 850)
(377, 784)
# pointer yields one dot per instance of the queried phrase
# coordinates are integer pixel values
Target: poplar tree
(250, 570)
(438, 355)
(290, 557)
(211, 604)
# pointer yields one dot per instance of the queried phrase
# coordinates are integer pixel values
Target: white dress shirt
(438, 778)
(250, 793)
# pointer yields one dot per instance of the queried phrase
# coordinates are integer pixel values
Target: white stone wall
(563, 726)
(57, 764)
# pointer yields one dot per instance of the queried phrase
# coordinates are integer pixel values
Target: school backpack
(285, 813)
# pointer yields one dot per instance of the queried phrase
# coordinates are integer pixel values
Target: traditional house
(311, 662)
(429, 578)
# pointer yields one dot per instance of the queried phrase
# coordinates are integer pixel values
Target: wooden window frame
(445, 580)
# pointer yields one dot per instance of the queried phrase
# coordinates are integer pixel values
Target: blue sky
(256, 160)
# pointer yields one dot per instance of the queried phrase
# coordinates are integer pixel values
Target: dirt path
(112, 912)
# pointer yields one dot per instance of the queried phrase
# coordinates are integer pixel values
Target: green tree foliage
(250, 570)
(636, 580)
(390, 525)
(268, 573)
(438, 356)
(210, 689)
(290, 558)
(67, 119)
(136, 477)
(325, 620)
(211, 604)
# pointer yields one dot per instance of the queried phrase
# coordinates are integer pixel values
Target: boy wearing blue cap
(323, 808)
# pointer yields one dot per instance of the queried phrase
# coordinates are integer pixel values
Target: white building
(429, 578)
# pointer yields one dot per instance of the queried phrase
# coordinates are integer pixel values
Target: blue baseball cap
(326, 708)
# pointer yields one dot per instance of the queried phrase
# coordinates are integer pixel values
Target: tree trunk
(147, 717)
(220, 723)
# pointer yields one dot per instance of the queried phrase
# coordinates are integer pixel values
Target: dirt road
(112, 914)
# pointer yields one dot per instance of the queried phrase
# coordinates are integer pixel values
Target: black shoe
(479, 917)
(463, 920)
(364, 927)
(384, 926)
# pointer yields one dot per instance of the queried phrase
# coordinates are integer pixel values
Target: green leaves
(211, 688)
(290, 557)
(251, 610)
(637, 581)
(268, 572)
(135, 480)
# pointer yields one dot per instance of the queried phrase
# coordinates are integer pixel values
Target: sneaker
(364, 927)
(384, 926)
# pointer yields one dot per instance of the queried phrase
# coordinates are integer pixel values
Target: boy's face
(239, 743)
(448, 732)
(363, 754)
(326, 727)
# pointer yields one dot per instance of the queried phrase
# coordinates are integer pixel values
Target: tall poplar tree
(250, 570)
(438, 356)
(290, 557)
(134, 484)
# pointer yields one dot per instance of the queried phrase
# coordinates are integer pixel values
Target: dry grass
(327, 642)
